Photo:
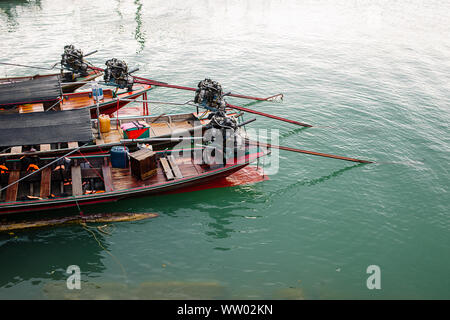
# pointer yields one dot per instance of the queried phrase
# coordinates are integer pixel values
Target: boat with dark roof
(30, 134)
(43, 94)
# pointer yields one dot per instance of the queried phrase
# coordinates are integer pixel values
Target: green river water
(372, 76)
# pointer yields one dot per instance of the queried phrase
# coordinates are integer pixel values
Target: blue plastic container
(119, 157)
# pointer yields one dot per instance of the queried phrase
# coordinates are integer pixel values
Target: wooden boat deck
(83, 99)
(122, 178)
(27, 108)
(51, 181)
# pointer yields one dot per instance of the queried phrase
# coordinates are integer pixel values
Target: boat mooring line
(22, 65)
(84, 226)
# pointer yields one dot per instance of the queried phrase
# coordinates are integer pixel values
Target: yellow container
(105, 123)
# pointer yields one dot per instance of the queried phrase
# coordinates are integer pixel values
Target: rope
(22, 65)
(60, 99)
(85, 227)
(96, 172)
(79, 209)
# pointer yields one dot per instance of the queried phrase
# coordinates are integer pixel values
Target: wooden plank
(174, 167)
(45, 147)
(28, 108)
(110, 137)
(77, 187)
(11, 192)
(46, 176)
(166, 168)
(72, 145)
(17, 149)
(81, 100)
(106, 170)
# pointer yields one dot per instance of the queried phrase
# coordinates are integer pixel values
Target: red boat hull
(177, 185)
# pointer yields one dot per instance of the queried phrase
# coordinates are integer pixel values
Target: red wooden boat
(92, 179)
(18, 132)
(111, 102)
(42, 94)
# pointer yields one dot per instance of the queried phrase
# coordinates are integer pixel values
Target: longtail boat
(42, 94)
(68, 84)
(18, 136)
(90, 180)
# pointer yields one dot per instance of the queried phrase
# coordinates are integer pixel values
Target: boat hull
(139, 191)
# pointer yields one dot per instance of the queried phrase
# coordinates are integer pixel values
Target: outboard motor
(72, 59)
(220, 120)
(210, 95)
(222, 136)
(116, 73)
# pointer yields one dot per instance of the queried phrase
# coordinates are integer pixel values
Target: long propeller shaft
(326, 155)
(142, 80)
(269, 116)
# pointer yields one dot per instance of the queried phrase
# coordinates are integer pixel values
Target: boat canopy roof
(31, 91)
(34, 128)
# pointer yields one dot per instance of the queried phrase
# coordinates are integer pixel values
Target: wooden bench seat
(35, 107)
(11, 192)
(77, 186)
(46, 178)
(72, 145)
(17, 149)
(175, 168)
(166, 168)
(170, 167)
(45, 147)
(107, 177)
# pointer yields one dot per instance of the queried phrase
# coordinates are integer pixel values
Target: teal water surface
(372, 76)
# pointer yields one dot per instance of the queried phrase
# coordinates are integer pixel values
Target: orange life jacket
(3, 169)
(32, 167)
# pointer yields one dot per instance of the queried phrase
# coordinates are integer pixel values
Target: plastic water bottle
(100, 93)
(97, 92)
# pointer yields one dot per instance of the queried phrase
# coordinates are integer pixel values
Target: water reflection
(46, 254)
(119, 13)
(139, 35)
(223, 207)
(221, 226)
(222, 216)
(311, 182)
(9, 10)
(292, 132)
